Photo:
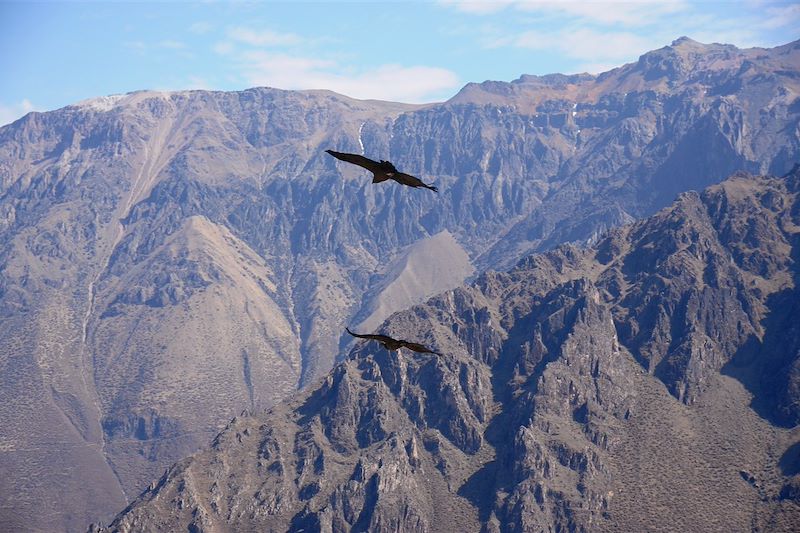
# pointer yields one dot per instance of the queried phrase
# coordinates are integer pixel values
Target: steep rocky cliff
(168, 259)
(633, 385)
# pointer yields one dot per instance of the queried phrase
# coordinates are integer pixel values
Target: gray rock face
(585, 390)
(168, 259)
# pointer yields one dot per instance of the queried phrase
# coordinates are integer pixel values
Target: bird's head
(387, 166)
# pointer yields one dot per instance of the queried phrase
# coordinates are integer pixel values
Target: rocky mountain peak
(685, 41)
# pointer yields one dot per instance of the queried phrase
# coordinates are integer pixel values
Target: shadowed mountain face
(167, 260)
(584, 390)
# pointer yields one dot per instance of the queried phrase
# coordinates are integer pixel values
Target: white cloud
(617, 24)
(248, 49)
(223, 47)
(200, 28)
(589, 45)
(626, 12)
(263, 37)
(10, 113)
(741, 30)
(172, 45)
(741, 37)
(137, 46)
(781, 16)
(386, 82)
(479, 8)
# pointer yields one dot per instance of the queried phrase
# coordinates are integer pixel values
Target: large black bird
(394, 344)
(382, 171)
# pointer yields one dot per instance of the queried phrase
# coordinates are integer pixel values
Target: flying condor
(394, 344)
(382, 171)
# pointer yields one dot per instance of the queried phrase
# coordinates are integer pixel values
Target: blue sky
(56, 53)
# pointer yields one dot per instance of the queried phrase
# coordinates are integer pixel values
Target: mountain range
(650, 382)
(169, 259)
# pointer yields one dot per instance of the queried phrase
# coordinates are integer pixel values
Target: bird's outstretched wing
(416, 347)
(360, 160)
(379, 338)
(411, 181)
(394, 344)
